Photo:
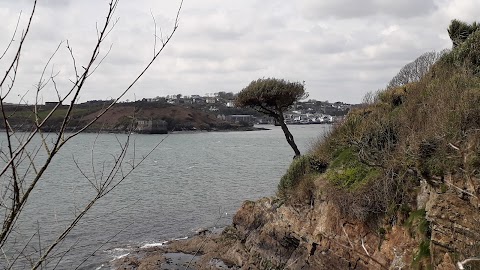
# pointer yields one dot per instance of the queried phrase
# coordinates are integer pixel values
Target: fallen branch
(363, 246)
(460, 264)
(454, 147)
(348, 238)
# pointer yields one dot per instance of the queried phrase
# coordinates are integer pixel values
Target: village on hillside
(177, 113)
(222, 105)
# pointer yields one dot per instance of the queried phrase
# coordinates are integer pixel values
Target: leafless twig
(25, 163)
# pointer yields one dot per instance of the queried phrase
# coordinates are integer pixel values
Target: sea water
(189, 182)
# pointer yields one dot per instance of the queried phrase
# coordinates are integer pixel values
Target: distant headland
(175, 113)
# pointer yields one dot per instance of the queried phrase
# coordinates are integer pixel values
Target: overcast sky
(341, 49)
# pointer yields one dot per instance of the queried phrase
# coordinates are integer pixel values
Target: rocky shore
(268, 234)
(202, 251)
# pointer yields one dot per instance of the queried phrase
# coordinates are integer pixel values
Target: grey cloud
(57, 3)
(348, 9)
(341, 50)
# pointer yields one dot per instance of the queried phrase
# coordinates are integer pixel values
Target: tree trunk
(288, 135)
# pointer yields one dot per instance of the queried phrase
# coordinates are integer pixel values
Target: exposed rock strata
(269, 235)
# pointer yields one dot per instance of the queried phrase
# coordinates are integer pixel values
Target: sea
(181, 183)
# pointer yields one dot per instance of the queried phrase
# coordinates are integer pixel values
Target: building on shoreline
(151, 126)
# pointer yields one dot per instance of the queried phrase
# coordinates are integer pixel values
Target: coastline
(182, 253)
(218, 130)
(169, 132)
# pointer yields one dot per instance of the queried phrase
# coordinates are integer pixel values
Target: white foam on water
(117, 253)
(121, 256)
(121, 249)
(181, 238)
(154, 244)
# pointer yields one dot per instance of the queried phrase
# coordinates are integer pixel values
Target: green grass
(298, 168)
(348, 172)
(417, 219)
(423, 253)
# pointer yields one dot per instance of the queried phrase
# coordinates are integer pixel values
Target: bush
(394, 96)
(303, 193)
(299, 167)
(468, 53)
(381, 195)
(347, 171)
(300, 174)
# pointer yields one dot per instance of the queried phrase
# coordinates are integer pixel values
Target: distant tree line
(458, 31)
(414, 71)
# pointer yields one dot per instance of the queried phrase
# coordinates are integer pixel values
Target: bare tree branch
(25, 163)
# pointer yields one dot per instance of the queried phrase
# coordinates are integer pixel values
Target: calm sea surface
(191, 181)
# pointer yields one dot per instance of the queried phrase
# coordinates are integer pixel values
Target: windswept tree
(459, 31)
(273, 97)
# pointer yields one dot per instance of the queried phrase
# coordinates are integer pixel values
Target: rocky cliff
(268, 234)
(443, 231)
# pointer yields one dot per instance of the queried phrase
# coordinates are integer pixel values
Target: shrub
(394, 96)
(423, 253)
(303, 193)
(347, 171)
(379, 196)
(429, 155)
(299, 167)
(468, 53)
(300, 171)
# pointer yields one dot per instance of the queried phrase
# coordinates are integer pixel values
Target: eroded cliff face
(444, 230)
(318, 237)
(453, 211)
(268, 234)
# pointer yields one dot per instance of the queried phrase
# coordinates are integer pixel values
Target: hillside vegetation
(425, 130)
(120, 118)
(374, 165)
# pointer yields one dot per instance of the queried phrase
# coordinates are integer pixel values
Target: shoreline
(169, 132)
(181, 253)
(218, 130)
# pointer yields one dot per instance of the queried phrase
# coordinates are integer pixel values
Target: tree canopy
(459, 31)
(414, 71)
(273, 97)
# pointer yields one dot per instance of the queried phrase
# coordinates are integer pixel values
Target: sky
(340, 49)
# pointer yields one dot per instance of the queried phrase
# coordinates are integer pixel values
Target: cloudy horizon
(341, 49)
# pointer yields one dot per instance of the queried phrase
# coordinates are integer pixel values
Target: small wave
(181, 238)
(120, 256)
(120, 249)
(100, 267)
(154, 244)
(117, 253)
